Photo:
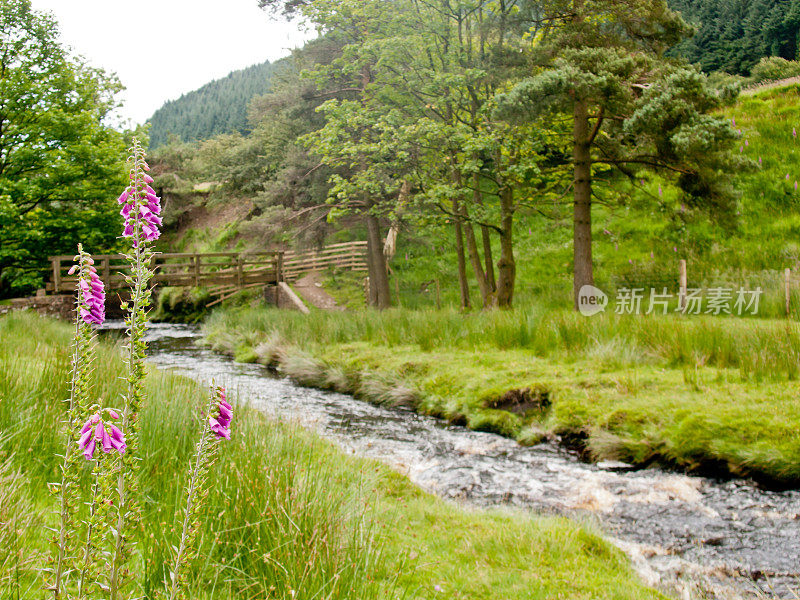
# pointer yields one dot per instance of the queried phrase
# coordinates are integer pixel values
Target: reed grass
(696, 392)
(759, 349)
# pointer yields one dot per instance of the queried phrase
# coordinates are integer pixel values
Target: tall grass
(759, 349)
(18, 519)
(279, 522)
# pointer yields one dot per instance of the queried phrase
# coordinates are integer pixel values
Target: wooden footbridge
(223, 273)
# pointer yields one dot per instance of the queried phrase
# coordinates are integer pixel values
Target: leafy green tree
(416, 80)
(354, 138)
(631, 110)
(59, 161)
(287, 7)
(476, 170)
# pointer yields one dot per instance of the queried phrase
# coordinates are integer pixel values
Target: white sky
(180, 45)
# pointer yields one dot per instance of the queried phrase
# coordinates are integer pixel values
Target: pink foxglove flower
(93, 297)
(95, 432)
(141, 206)
(91, 294)
(221, 422)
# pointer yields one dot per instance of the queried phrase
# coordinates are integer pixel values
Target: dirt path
(309, 288)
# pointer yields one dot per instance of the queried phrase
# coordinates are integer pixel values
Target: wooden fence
(223, 273)
(219, 271)
(350, 255)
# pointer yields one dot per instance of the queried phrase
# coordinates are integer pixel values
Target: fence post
(107, 272)
(239, 271)
(279, 268)
(682, 282)
(438, 295)
(56, 275)
(196, 269)
(366, 290)
(787, 276)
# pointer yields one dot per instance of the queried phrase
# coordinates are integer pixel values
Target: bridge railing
(216, 269)
(349, 255)
(221, 272)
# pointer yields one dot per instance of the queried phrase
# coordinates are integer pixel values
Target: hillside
(220, 106)
(732, 35)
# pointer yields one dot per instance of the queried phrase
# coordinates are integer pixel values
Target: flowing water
(700, 536)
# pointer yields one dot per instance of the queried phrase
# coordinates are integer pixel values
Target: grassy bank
(289, 517)
(698, 392)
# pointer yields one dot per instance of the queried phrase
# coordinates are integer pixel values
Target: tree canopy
(60, 162)
(462, 115)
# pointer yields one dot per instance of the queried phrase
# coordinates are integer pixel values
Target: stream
(700, 536)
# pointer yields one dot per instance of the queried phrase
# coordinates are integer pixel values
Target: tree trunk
(372, 291)
(475, 261)
(506, 266)
(390, 245)
(488, 260)
(378, 273)
(463, 284)
(582, 210)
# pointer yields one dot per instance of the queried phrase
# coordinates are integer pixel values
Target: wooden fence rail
(178, 269)
(223, 273)
(350, 255)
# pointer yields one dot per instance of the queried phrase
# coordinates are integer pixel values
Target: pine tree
(631, 110)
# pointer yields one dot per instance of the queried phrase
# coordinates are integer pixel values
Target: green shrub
(774, 68)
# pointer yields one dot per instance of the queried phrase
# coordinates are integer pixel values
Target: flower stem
(89, 530)
(68, 488)
(133, 384)
(198, 461)
(64, 507)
